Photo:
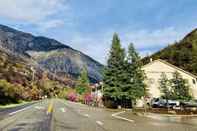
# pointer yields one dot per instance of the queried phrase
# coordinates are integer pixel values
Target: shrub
(88, 98)
(10, 93)
(72, 96)
(63, 93)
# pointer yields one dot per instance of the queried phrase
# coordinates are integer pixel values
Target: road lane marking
(115, 115)
(50, 108)
(12, 113)
(78, 111)
(99, 123)
(39, 107)
(86, 115)
(63, 110)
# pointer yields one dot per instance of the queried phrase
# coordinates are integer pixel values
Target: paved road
(59, 115)
(5, 112)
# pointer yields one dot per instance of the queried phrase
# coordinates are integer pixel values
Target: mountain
(50, 54)
(22, 79)
(182, 54)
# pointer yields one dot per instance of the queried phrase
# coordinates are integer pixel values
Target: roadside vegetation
(123, 76)
(82, 90)
(18, 82)
(176, 88)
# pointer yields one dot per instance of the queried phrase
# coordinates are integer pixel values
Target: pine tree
(113, 71)
(165, 87)
(135, 75)
(83, 82)
(84, 76)
(180, 87)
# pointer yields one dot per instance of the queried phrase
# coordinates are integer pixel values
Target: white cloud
(32, 11)
(50, 24)
(146, 41)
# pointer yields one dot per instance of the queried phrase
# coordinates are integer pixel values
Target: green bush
(9, 93)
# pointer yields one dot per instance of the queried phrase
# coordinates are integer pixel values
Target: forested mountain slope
(182, 54)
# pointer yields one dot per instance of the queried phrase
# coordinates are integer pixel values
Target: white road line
(63, 110)
(115, 115)
(99, 123)
(19, 110)
(77, 111)
(86, 115)
(39, 107)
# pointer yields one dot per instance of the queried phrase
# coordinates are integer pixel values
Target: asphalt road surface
(61, 115)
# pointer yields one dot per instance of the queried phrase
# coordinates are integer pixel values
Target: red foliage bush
(72, 96)
(88, 98)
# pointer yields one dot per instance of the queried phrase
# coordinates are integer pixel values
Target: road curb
(164, 115)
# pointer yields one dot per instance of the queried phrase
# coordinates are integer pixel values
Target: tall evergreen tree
(84, 76)
(135, 74)
(83, 82)
(165, 87)
(180, 87)
(113, 71)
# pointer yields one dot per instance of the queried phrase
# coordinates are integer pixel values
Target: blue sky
(88, 25)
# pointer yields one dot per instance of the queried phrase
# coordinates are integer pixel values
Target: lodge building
(153, 72)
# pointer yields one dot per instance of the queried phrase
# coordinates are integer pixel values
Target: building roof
(173, 66)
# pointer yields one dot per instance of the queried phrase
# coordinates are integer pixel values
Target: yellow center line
(50, 108)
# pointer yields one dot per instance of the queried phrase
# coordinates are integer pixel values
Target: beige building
(153, 72)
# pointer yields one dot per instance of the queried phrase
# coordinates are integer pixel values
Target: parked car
(192, 103)
(173, 103)
(158, 103)
(163, 103)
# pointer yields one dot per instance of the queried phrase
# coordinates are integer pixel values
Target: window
(194, 81)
